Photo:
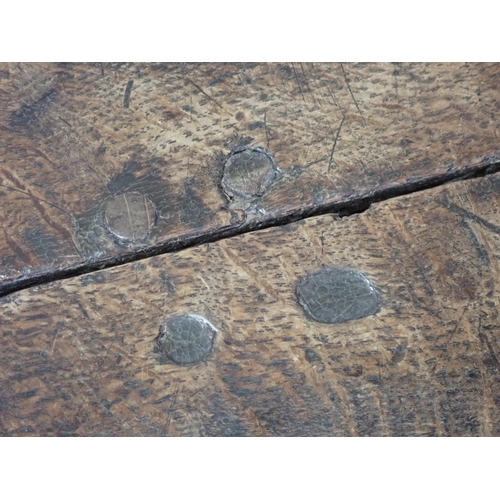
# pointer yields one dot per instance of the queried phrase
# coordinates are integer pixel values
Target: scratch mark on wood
(67, 123)
(335, 144)
(350, 91)
(44, 155)
(310, 164)
(21, 188)
(207, 96)
(451, 335)
(265, 127)
(307, 84)
(236, 258)
(484, 338)
(469, 215)
(54, 341)
(18, 251)
(298, 83)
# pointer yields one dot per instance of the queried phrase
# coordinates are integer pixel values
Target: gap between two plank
(343, 209)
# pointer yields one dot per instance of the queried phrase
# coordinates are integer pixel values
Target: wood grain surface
(81, 356)
(74, 137)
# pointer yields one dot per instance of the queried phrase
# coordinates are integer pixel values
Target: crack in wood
(343, 209)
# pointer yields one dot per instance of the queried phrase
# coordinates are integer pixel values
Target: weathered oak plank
(79, 356)
(74, 137)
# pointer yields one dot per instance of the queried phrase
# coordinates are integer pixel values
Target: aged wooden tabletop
(286, 249)
(80, 142)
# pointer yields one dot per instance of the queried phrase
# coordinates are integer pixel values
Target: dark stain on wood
(193, 212)
(27, 115)
(128, 91)
(45, 245)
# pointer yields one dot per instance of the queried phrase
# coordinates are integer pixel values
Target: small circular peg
(130, 217)
(248, 173)
(337, 295)
(187, 338)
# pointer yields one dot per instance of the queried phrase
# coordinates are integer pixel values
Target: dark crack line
(344, 208)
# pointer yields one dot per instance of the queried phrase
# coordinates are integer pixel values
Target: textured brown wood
(78, 357)
(74, 136)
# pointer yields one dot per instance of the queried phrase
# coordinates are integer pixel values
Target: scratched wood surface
(74, 136)
(80, 357)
